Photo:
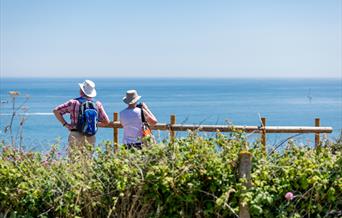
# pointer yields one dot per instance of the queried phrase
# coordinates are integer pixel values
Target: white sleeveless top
(132, 125)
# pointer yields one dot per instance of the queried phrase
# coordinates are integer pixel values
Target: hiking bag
(87, 117)
(146, 130)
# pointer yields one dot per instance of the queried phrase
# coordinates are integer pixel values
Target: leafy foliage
(190, 177)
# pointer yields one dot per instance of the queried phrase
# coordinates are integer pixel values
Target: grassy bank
(191, 177)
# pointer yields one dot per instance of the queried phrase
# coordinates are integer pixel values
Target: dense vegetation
(190, 177)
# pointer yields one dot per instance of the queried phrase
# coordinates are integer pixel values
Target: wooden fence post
(263, 135)
(116, 133)
(245, 168)
(317, 136)
(172, 122)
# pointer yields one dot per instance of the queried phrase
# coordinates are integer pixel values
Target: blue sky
(178, 38)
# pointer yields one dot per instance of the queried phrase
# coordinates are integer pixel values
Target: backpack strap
(142, 116)
(83, 99)
(80, 99)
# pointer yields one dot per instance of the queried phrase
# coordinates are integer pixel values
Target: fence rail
(231, 128)
(263, 129)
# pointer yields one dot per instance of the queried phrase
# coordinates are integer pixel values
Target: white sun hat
(131, 97)
(88, 88)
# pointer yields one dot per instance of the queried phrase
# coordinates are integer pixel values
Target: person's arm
(103, 117)
(59, 111)
(149, 116)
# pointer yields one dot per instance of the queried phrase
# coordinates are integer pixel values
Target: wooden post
(172, 122)
(317, 137)
(245, 168)
(116, 133)
(263, 135)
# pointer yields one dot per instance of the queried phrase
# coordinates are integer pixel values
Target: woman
(132, 120)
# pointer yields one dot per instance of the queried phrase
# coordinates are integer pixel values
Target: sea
(284, 102)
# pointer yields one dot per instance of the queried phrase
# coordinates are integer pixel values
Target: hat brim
(91, 94)
(131, 101)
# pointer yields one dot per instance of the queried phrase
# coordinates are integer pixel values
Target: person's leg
(133, 145)
(138, 145)
(127, 146)
(76, 143)
(89, 145)
(91, 140)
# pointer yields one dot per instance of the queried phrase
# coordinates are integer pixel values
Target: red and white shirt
(72, 107)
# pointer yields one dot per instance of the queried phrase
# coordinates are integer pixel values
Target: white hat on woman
(131, 97)
(88, 88)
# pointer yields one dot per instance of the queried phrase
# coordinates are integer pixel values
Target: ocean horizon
(238, 101)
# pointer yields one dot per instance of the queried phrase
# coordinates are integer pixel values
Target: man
(75, 107)
(132, 118)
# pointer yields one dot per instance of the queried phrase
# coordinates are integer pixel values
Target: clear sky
(171, 38)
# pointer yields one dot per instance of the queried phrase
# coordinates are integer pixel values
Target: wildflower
(45, 163)
(30, 155)
(5, 149)
(18, 158)
(289, 196)
(14, 93)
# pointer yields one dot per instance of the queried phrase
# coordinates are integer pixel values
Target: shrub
(190, 177)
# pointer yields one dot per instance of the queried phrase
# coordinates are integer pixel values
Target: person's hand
(144, 105)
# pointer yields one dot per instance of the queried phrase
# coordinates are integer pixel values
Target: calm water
(210, 101)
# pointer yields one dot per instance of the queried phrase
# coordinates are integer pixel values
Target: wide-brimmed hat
(131, 97)
(88, 88)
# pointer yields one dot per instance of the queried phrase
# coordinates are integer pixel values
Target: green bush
(190, 177)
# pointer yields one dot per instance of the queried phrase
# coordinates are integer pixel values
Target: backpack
(87, 117)
(146, 130)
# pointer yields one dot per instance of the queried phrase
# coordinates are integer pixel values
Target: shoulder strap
(83, 99)
(142, 116)
(93, 103)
